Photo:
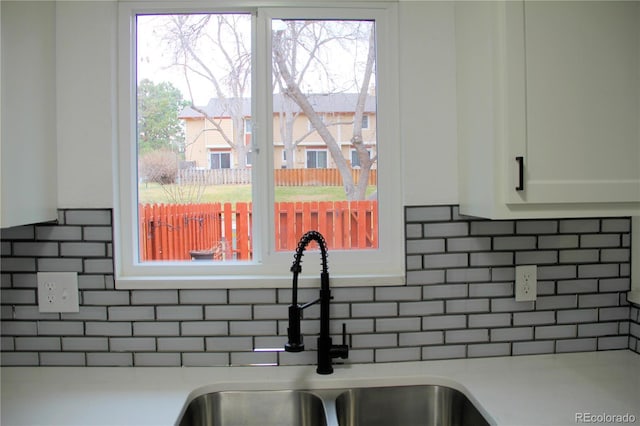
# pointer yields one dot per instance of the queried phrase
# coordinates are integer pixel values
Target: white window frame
(268, 268)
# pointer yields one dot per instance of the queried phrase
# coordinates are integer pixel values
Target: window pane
(324, 74)
(193, 129)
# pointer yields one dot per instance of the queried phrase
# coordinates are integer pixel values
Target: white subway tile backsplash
(59, 264)
(428, 214)
(488, 349)
(576, 345)
(130, 313)
(59, 233)
(576, 316)
(254, 358)
(449, 229)
(533, 348)
(444, 322)
(534, 318)
(488, 227)
(203, 328)
(555, 332)
(163, 328)
(205, 359)
(374, 310)
(227, 312)
(87, 217)
(384, 325)
(85, 344)
(78, 249)
(467, 306)
(37, 344)
(62, 359)
(60, 328)
(489, 320)
(398, 293)
(444, 352)
(511, 334)
(179, 313)
(203, 297)
(181, 344)
(109, 359)
(154, 297)
(458, 301)
(578, 226)
(421, 338)
(228, 344)
(397, 354)
(537, 227)
(132, 344)
(157, 359)
(466, 336)
(110, 328)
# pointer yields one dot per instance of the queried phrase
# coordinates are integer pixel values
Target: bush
(159, 166)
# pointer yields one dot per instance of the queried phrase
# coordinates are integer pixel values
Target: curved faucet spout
(326, 350)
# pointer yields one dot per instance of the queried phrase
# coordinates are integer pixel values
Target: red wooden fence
(223, 231)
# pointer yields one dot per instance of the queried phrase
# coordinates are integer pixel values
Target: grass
(152, 193)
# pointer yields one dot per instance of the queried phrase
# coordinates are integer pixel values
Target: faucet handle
(340, 351)
(344, 334)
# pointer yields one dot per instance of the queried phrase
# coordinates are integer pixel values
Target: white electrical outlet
(58, 292)
(526, 283)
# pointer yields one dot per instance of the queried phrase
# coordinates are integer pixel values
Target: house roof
(322, 103)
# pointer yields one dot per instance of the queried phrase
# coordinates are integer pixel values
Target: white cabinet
(548, 108)
(28, 136)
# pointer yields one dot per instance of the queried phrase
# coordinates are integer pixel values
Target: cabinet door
(582, 104)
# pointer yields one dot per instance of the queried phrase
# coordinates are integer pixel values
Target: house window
(355, 158)
(285, 163)
(218, 72)
(365, 121)
(316, 159)
(220, 160)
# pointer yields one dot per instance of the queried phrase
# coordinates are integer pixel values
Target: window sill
(239, 281)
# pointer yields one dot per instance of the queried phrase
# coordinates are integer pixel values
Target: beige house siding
(202, 138)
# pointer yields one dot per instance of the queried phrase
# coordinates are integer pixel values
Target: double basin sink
(418, 405)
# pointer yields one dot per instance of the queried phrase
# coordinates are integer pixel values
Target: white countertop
(523, 390)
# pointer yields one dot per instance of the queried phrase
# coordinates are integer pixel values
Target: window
(355, 158)
(365, 121)
(285, 164)
(233, 113)
(220, 160)
(316, 159)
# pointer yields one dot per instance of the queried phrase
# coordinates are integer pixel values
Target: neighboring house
(208, 149)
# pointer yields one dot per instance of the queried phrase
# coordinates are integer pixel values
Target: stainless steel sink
(248, 408)
(422, 405)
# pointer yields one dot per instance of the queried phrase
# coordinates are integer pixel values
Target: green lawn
(154, 193)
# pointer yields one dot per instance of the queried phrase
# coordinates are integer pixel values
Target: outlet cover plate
(526, 283)
(58, 292)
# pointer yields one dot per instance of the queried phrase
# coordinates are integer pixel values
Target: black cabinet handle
(520, 161)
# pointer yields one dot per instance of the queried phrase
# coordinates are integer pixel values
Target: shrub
(159, 166)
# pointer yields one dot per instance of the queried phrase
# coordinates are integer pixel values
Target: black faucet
(326, 349)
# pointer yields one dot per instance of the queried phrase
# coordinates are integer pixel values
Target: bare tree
(214, 47)
(301, 47)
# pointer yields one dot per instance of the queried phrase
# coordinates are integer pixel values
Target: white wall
(428, 102)
(86, 83)
(28, 113)
(86, 87)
